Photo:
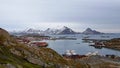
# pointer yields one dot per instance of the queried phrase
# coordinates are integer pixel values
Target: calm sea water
(79, 46)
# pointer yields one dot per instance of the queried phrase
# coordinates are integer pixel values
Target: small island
(113, 44)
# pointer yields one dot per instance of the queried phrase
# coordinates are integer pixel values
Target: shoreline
(112, 48)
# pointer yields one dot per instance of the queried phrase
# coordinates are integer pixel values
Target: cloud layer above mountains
(78, 14)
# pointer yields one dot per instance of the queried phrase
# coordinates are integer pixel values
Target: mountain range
(63, 30)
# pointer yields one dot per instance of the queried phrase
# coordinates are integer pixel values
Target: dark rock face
(90, 31)
(51, 31)
(67, 30)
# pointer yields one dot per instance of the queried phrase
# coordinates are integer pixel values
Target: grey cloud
(87, 11)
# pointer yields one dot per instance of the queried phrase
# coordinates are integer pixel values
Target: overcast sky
(102, 15)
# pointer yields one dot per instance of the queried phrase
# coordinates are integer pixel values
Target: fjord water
(79, 46)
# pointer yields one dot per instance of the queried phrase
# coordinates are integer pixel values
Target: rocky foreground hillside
(16, 55)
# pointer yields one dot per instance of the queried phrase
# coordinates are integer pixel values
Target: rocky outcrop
(113, 44)
(4, 36)
(39, 56)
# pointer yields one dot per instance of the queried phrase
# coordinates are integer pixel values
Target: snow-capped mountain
(51, 31)
(66, 30)
(63, 30)
(31, 30)
(90, 31)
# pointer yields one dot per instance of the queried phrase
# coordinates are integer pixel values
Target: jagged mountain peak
(66, 27)
(30, 29)
(48, 28)
(66, 30)
(33, 30)
(90, 31)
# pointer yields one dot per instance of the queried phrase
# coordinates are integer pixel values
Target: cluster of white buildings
(72, 52)
(92, 53)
